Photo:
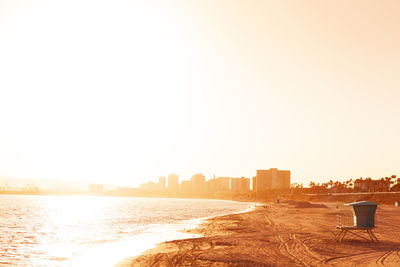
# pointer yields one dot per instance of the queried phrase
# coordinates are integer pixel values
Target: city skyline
(172, 178)
(263, 183)
(75, 183)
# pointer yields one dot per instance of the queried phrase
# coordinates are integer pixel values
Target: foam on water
(111, 253)
(76, 231)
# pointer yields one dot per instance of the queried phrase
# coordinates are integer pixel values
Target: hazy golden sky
(126, 91)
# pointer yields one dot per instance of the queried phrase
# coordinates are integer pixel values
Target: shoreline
(293, 233)
(181, 230)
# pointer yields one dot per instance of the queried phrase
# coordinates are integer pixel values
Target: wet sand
(288, 234)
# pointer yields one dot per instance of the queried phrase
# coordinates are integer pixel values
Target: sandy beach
(287, 234)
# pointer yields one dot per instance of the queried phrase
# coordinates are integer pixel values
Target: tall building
(198, 184)
(186, 187)
(222, 184)
(161, 182)
(218, 185)
(285, 178)
(209, 187)
(173, 183)
(272, 179)
(240, 185)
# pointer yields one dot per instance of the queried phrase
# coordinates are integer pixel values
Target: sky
(122, 92)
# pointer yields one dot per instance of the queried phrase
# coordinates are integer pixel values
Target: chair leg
(344, 234)
(339, 235)
(372, 235)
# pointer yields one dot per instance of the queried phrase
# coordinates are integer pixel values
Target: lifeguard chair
(363, 221)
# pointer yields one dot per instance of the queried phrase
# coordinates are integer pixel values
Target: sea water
(94, 231)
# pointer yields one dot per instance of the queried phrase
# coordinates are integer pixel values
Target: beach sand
(287, 234)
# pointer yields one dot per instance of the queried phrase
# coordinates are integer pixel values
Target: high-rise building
(198, 184)
(161, 182)
(209, 187)
(218, 185)
(240, 185)
(222, 184)
(173, 183)
(186, 187)
(271, 179)
(285, 179)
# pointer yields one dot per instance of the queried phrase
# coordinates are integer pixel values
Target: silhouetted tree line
(384, 184)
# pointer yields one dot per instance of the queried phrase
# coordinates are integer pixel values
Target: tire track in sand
(379, 258)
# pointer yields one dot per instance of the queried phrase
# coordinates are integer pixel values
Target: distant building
(162, 183)
(127, 191)
(272, 179)
(198, 184)
(173, 183)
(240, 185)
(96, 188)
(221, 184)
(209, 187)
(154, 187)
(253, 183)
(186, 187)
(150, 187)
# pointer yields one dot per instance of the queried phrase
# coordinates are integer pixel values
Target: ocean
(95, 231)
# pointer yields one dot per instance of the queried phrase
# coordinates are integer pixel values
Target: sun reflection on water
(70, 221)
(87, 231)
